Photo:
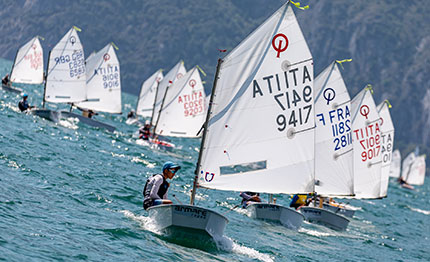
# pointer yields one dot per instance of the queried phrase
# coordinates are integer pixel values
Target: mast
(161, 107)
(193, 192)
(155, 101)
(46, 79)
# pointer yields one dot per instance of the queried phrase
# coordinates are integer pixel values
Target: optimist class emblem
(364, 111)
(208, 176)
(329, 94)
(106, 57)
(180, 75)
(279, 48)
(192, 83)
(72, 40)
(34, 46)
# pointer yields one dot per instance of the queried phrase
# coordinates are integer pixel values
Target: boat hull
(88, 121)
(325, 217)
(186, 221)
(47, 114)
(55, 116)
(341, 210)
(11, 89)
(276, 213)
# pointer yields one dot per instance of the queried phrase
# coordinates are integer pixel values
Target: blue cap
(169, 165)
(24, 95)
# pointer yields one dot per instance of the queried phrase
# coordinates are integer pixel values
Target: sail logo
(279, 48)
(179, 76)
(208, 176)
(329, 95)
(106, 57)
(364, 111)
(72, 40)
(193, 83)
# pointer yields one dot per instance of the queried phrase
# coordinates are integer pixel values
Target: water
(69, 192)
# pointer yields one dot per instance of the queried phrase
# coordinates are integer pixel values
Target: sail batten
(260, 133)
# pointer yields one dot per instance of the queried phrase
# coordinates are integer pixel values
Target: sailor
(300, 200)
(131, 114)
(145, 131)
(155, 190)
(248, 197)
(23, 104)
(5, 80)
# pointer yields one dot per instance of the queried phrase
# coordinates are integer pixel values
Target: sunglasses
(173, 170)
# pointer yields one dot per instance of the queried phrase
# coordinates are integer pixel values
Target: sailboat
(27, 67)
(395, 164)
(251, 141)
(387, 140)
(147, 94)
(65, 75)
(366, 138)
(333, 147)
(103, 86)
(414, 169)
(183, 111)
(177, 72)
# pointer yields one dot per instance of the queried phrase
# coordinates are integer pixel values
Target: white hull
(325, 217)
(55, 116)
(11, 89)
(286, 216)
(189, 222)
(341, 210)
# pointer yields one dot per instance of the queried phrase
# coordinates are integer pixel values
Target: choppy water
(69, 192)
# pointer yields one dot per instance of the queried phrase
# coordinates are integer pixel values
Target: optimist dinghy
(333, 147)
(27, 67)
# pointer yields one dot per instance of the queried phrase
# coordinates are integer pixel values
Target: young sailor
(155, 190)
(23, 104)
(249, 197)
(5, 80)
(300, 200)
(145, 131)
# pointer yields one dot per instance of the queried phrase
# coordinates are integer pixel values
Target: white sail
(407, 164)
(417, 173)
(260, 135)
(387, 136)
(28, 64)
(103, 82)
(366, 139)
(147, 94)
(395, 164)
(177, 72)
(66, 80)
(183, 112)
(333, 135)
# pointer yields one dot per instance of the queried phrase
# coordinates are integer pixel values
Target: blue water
(69, 192)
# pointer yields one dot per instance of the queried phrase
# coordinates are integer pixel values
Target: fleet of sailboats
(268, 127)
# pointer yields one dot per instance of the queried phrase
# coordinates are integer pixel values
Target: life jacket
(301, 199)
(147, 202)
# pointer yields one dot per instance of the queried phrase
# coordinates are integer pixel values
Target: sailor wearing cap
(23, 104)
(155, 191)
